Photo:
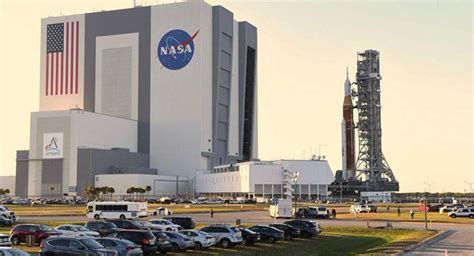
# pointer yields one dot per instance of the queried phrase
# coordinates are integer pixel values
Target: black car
(268, 233)
(129, 224)
(5, 222)
(80, 245)
(289, 231)
(162, 240)
(185, 222)
(141, 237)
(122, 246)
(249, 237)
(307, 228)
(102, 227)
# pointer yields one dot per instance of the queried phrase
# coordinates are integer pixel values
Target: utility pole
(429, 186)
(295, 182)
(426, 214)
(470, 186)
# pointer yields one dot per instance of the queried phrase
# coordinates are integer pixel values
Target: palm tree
(2, 192)
(6, 191)
(147, 189)
(90, 191)
(142, 192)
(110, 190)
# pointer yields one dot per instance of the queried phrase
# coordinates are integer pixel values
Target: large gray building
(167, 89)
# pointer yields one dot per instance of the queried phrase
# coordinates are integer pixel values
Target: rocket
(347, 130)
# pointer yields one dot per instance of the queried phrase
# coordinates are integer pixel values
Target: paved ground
(458, 240)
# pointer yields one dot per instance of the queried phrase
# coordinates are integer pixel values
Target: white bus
(116, 210)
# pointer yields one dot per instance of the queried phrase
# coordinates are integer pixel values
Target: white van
(116, 210)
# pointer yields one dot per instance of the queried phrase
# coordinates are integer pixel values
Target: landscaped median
(333, 241)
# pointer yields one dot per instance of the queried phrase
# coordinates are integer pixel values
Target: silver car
(76, 230)
(226, 235)
(201, 239)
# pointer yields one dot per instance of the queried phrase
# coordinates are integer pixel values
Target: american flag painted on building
(62, 58)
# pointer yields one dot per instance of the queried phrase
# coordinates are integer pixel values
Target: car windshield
(137, 223)
(167, 222)
(110, 225)
(235, 229)
(43, 227)
(80, 228)
(93, 244)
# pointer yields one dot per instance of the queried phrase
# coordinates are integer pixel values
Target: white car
(462, 212)
(162, 211)
(5, 240)
(165, 225)
(450, 208)
(76, 230)
(9, 251)
(201, 239)
(358, 208)
(226, 235)
(5, 212)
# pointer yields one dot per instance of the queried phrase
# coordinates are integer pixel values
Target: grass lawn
(405, 216)
(333, 241)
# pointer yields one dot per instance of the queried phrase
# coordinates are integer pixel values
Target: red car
(39, 231)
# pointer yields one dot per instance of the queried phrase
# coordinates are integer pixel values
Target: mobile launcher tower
(370, 170)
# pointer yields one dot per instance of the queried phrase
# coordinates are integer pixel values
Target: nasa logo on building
(176, 49)
(53, 145)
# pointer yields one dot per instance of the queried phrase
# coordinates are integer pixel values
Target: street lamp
(470, 185)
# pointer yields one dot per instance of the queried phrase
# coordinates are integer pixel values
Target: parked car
(101, 226)
(166, 225)
(185, 222)
(372, 207)
(122, 246)
(307, 229)
(358, 208)
(268, 233)
(249, 237)
(317, 212)
(225, 235)
(462, 212)
(5, 212)
(142, 237)
(289, 231)
(76, 230)
(201, 239)
(5, 222)
(450, 208)
(39, 231)
(80, 245)
(8, 251)
(129, 224)
(163, 241)
(434, 207)
(179, 242)
(5, 240)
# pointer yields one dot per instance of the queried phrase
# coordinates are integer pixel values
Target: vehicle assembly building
(370, 170)
(168, 89)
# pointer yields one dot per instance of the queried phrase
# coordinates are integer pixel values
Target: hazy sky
(304, 48)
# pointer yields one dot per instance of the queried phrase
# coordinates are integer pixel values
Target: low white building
(265, 179)
(376, 196)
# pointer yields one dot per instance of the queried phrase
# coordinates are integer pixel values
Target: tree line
(5, 191)
(106, 193)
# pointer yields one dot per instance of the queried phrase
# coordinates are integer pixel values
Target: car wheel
(272, 240)
(122, 217)
(154, 213)
(244, 242)
(225, 243)
(96, 216)
(198, 246)
(174, 247)
(15, 240)
(453, 216)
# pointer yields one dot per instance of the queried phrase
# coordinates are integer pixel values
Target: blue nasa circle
(176, 49)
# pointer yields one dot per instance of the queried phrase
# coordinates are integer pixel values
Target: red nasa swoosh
(189, 40)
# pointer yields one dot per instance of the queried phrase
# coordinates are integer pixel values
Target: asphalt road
(458, 240)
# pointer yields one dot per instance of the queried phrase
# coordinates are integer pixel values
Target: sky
(304, 47)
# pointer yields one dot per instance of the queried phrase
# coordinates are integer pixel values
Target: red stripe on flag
(77, 56)
(62, 80)
(72, 57)
(67, 56)
(47, 74)
(57, 66)
(51, 74)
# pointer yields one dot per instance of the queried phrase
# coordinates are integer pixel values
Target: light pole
(429, 186)
(295, 182)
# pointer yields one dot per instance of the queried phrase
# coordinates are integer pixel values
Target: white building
(265, 179)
